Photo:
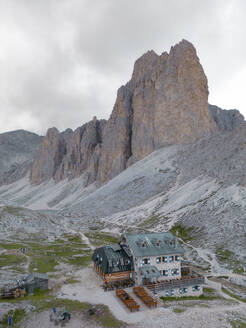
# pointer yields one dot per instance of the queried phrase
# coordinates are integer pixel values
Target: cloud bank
(61, 62)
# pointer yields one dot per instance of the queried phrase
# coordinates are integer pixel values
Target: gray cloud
(62, 61)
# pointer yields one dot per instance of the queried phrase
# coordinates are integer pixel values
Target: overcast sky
(62, 61)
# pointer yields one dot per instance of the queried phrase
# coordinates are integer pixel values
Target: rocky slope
(199, 187)
(17, 149)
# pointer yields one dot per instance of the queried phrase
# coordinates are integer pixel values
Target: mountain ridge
(165, 102)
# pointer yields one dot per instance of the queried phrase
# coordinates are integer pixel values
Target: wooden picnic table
(130, 303)
(145, 297)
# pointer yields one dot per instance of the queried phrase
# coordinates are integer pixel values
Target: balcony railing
(176, 283)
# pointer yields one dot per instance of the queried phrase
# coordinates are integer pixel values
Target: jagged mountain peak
(164, 103)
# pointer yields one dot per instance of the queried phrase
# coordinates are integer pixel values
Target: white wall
(160, 266)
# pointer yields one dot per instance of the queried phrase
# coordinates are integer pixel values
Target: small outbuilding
(35, 281)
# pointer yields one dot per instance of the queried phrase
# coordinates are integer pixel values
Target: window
(174, 272)
(165, 273)
(167, 293)
(170, 259)
(196, 288)
(177, 258)
(172, 291)
(164, 259)
(127, 262)
(158, 260)
(183, 290)
(145, 261)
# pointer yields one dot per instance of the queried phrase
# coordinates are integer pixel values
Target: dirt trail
(83, 236)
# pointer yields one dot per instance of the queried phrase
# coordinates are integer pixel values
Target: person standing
(10, 320)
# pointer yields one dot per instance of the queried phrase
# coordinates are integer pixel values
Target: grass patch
(188, 298)
(43, 264)
(11, 260)
(8, 245)
(226, 291)
(72, 281)
(12, 210)
(70, 305)
(237, 324)
(79, 261)
(17, 316)
(45, 257)
(179, 310)
(182, 232)
(239, 270)
(72, 238)
(108, 320)
(101, 238)
(208, 290)
(149, 221)
(223, 254)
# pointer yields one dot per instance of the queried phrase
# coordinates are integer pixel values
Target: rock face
(49, 157)
(82, 152)
(226, 120)
(165, 102)
(17, 149)
(69, 154)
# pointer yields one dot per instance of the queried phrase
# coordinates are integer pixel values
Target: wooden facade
(110, 277)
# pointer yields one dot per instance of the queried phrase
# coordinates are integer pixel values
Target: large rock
(165, 102)
(69, 154)
(82, 152)
(50, 155)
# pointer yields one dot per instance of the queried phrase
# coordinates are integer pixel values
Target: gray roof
(153, 244)
(114, 259)
(36, 275)
(150, 271)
